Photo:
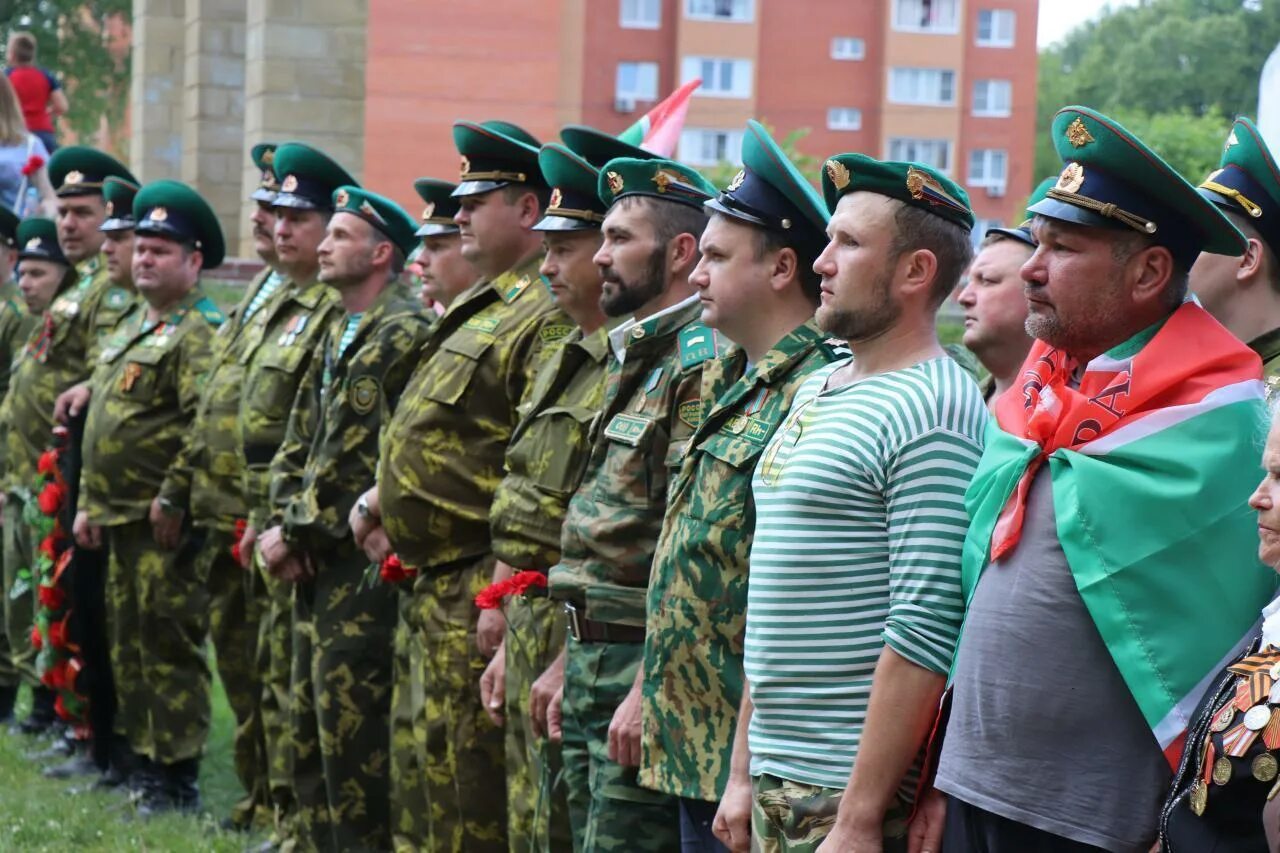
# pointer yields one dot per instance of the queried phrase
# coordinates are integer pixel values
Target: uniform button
(637, 334)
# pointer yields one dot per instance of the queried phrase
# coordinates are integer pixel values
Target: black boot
(79, 764)
(122, 763)
(178, 791)
(42, 715)
(8, 695)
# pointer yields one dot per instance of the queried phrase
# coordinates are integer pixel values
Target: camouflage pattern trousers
(792, 817)
(537, 804)
(341, 705)
(275, 669)
(17, 657)
(409, 824)
(608, 810)
(157, 619)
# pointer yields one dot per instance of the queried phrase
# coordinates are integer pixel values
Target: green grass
(38, 814)
(224, 293)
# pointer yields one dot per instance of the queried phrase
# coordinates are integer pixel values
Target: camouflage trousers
(275, 670)
(792, 817)
(461, 749)
(410, 826)
(607, 807)
(537, 807)
(17, 657)
(157, 619)
(341, 705)
(234, 613)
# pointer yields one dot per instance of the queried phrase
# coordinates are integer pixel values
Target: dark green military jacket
(652, 406)
(1268, 349)
(103, 303)
(548, 452)
(444, 448)
(146, 386)
(330, 451)
(15, 325)
(697, 605)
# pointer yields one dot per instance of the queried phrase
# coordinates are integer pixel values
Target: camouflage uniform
(146, 388)
(15, 325)
(652, 406)
(792, 817)
(343, 623)
(697, 602)
(1268, 349)
(441, 463)
(545, 460)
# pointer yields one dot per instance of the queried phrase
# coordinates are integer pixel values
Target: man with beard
(344, 622)
(853, 607)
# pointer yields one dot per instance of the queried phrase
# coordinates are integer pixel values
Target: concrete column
(155, 97)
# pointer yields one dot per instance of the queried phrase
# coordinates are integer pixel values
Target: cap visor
(296, 202)
(117, 224)
(1054, 209)
(432, 230)
(477, 187)
(260, 194)
(1022, 235)
(565, 223)
(716, 206)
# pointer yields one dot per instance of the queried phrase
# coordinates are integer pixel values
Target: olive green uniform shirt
(15, 325)
(1268, 349)
(103, 303)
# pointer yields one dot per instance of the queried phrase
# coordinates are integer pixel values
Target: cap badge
(1231, 140)
(368, 209)
(111, 208)
(1078, 135)
(268, 179)
(158, 214)
(75, 176)
(556, 198)
(341, 198)
(289, 184)
(429, 210)
(839, 174)
(32, 244)
(615, 182)
(465, 166)
(1071, 179)
(663, 179)
(738, 180)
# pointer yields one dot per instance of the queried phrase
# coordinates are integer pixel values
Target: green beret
(575, 205)
(490, 159)
(1022, 233)
(914, 184)
(38, 239)
(598, 147)
(8, 227)
(382, 213)
(80, 170)
(770, 192)
(1247, 181)
(437, 216)
(119, 195)
(1112, 180)
(175, 211)
(657, 178)
(308, 177)
(264, 155)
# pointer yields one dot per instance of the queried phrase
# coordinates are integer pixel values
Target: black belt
(586, 630)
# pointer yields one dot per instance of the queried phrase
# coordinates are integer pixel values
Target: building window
(979, 233)
(636, 81)
(640, 14)
(930, 152)
(987, 169)
(844, 118)
(928, 86)
(742, 11)
(848, 48)
(995, 28)
(721, 78)
(925, 16)
(708, 147)
(992, 98)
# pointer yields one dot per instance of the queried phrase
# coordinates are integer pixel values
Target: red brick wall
(605, 44)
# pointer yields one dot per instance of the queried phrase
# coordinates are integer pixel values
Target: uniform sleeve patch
(628, 429)
(690, 412)
(364, 394)
(117, 297)
(553, 332)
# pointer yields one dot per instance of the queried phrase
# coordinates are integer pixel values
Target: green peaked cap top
(914, 184)
(382, 213)
(598, 147)
(37, 238)
(770, 192)
(437, 215)
(490, 159)
(1112, 180)
(80, 170)
(1022, 233)
(308, 177)
(9, 222)
(657, 178)
(575, 203)
(1247, 181)
(118, 194)
(175, 211)
(264, 155)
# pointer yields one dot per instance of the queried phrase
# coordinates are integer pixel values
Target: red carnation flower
(490, 598)
(51, 498)
(48, 463)
(55, 677)
(37, 641)
(61, 708)
(51, 597)
(521, 581)
(235, 552)
(242, 524)
(394, 571)
(49, 546)
(58, 634)
(33, 164)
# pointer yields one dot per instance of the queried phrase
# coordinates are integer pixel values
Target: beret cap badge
(615, 182)
(839, 174)
(341, 198)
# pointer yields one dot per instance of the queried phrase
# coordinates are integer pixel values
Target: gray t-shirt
(1043, 730)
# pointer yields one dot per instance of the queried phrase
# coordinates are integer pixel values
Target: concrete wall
(156, 96)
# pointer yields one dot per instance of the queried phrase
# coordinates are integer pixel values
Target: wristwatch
(362, 507)
(168, 507)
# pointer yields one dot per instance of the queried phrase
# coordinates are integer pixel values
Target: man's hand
(247, 542)
(555, 717)
(732, 824)
(490, 630)
(924, 835)
(166, 525)
(377, 547)
(272, 549)
(362, 525)
(624, 731)
(493, 686)
(71, 402)
(850, 840)
(87, 535)
(294, 568)
(546, 690)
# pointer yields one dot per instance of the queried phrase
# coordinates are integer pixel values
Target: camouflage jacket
(652, 406)
(548, 452)
(1268, 349)
(211, 468)
(443, 453)
(280, 346)
(15, 325)
(330, 450)
(146, 386)
(104, 304)
(697, 605)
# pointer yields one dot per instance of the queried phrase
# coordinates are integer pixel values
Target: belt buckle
(575, 620)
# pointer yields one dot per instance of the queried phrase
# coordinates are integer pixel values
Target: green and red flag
(658, 131)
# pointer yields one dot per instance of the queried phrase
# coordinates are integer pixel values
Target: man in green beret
(758, 289)
(1243, 293)
(1087, 525)
(133, 501)
(442, 458)
(344, 618)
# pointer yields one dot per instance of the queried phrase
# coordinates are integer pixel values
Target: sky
(1059, 17)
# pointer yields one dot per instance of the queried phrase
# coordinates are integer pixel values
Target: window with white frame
(846, 48)
(988, 168)
(844, 118)
(995, 27)
(926, 16)
(926, 86)
(721, 78)
(636, 81)
(720, 10)
(930, 152)
(709, 147)
(992, 97)
(980, 228)
(640, 14)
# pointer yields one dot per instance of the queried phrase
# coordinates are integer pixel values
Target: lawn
(38, 814)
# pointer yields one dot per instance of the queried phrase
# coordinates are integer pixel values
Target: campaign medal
(132, 371)
(1222, 771)
(1265, 767)
(1199, 797)
(1222, 719)
(1257, 717)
